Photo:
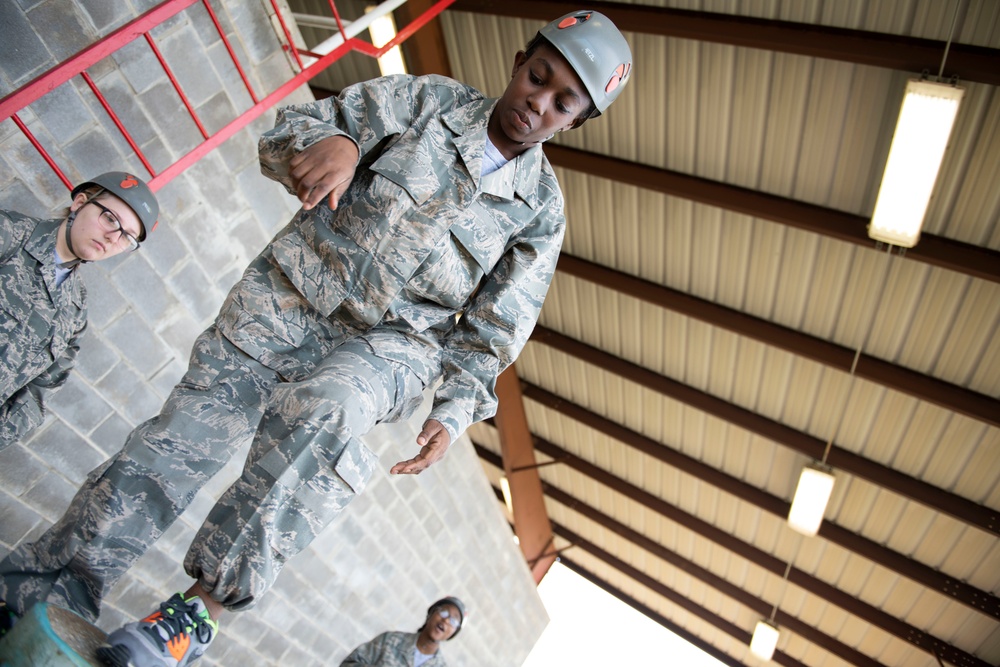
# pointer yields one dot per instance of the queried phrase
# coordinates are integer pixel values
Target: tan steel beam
(531, 521)
(939, 251)
(963, 509)
(957, 399)
(910, 54)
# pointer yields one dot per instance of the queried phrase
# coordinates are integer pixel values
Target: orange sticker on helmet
(130, 182)
(620, 73)
(571, 21)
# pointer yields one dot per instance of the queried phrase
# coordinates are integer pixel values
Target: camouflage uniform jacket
(389, 649)
(40, 324)
(420, 243)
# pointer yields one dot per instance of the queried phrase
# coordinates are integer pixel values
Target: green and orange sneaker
(174, 636)
(7, 618)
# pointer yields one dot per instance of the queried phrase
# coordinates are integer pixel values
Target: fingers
(432, 428)
(434, 441)
(413, 466)
(323, 169)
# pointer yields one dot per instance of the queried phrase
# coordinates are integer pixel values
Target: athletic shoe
(174, 636)
(7, 618)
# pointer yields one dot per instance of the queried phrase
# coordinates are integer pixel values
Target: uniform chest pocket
(322, 286)
(65, 328)
(25, 340)
(486, 232)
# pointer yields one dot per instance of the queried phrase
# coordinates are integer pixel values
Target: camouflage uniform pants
(305, 464)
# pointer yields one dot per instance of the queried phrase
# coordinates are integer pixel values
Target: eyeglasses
(113, 224)
(446, 615)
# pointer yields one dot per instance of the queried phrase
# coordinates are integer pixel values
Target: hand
(434, 441)
(324, 168)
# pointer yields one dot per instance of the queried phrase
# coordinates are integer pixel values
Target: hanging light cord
(857, 353)
(784, 580)
(951, 33)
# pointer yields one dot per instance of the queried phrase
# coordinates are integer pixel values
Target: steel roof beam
(738, 547)
(939, 251)
(956, 506)
(824, 591)
(721, 656)
(974, 598)
(924, 387)
(899, 52)
(425, 50)
(531, 521)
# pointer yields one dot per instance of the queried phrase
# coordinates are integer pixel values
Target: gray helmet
(461, 612)
(596, 50)
(133, 191)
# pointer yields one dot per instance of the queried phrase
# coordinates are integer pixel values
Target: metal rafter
(936, 498)
(974, 598)
(425, 51)
(531, 521)
(957, 256)
(957, 399)
(911, 54)
(763, 608)
(817, 587)
(721, 656)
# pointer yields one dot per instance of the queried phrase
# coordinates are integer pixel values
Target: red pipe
(336, 16)
(41, 150)
(114, 117)
(66, 70)
(246, 118)
(141, 26)
(177, 87)
(229, 48)
(402, 35)
(288, 35)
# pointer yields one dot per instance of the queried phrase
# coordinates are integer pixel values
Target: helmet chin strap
(76, 261)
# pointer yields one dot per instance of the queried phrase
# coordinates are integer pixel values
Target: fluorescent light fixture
(811, 497)
(383, 31)
(505, 489)
(918, 145)
(765, 640)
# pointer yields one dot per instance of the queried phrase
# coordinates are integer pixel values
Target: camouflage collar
(42, 242)
(41, 245)
(469, 123)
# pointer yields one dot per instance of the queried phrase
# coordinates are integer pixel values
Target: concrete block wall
(406, 541)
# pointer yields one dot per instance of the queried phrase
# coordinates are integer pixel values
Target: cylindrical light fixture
(811, 497)
(765, 640)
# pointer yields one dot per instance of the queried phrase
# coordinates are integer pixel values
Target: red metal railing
(78, 64)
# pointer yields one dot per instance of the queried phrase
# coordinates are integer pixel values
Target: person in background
(413, 649)
(43, 301)
(430, 227)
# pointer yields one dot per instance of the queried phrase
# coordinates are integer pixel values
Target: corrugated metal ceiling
(810, 130)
